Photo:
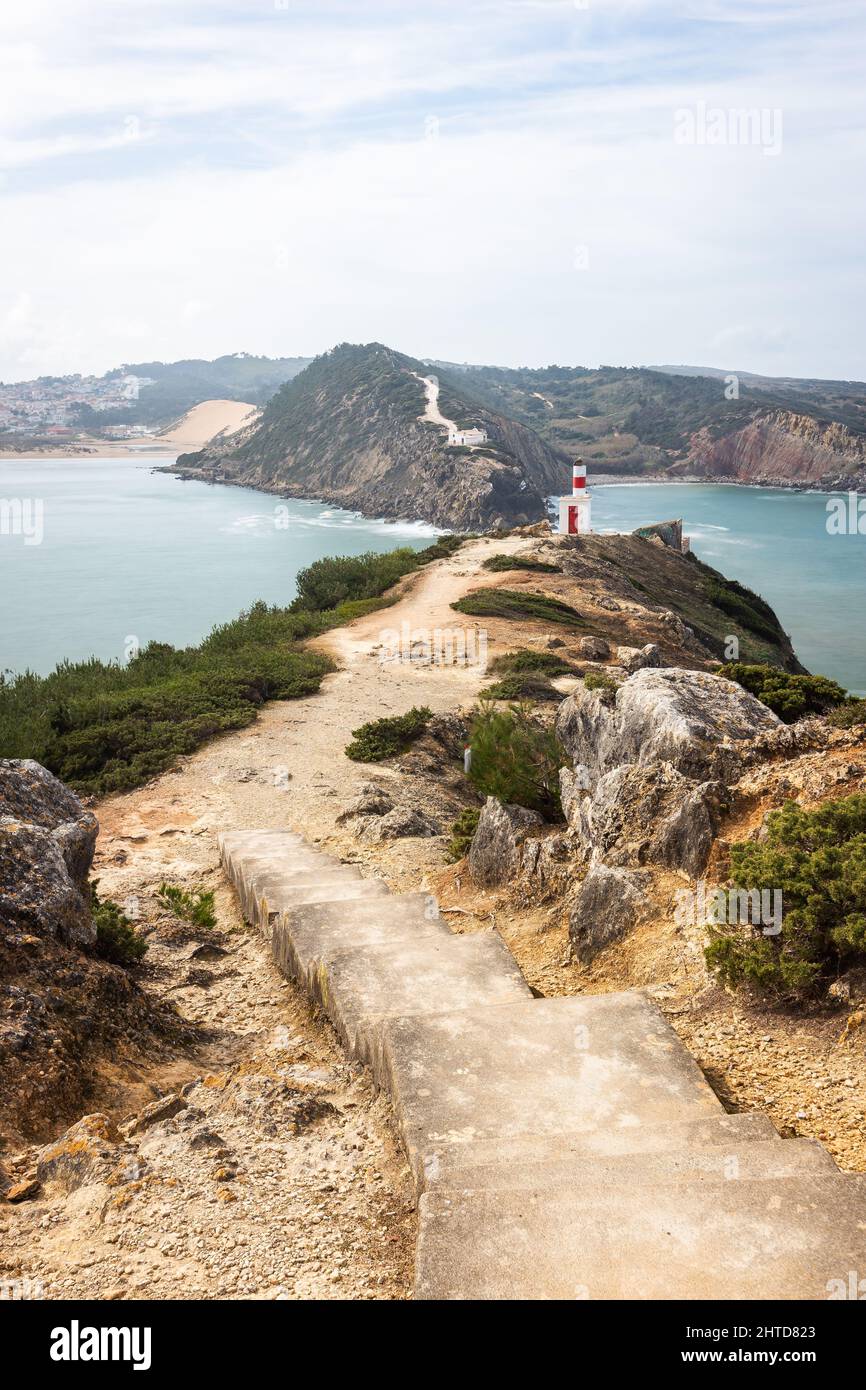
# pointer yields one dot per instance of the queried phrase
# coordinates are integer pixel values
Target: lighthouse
(575, 511)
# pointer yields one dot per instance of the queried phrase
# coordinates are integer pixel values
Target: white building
(472, 436)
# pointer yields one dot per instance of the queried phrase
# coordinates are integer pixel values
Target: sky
(519, 183)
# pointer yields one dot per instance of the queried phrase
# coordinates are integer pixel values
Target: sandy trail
(431, 409)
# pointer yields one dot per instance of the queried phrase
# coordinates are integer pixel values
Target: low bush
(516, 759)
(597, 680)
(817, 860)
(789, 696)
(117, 940)
(499, 563)
(196, 907)
(462, 830)
(385, 738)
(525, 685)
(524, 659)
(746, 607)
(524, 606)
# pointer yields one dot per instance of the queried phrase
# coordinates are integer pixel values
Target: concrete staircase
(561, 1148)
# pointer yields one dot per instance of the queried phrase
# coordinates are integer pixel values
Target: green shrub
(516, 759)
(102, 727)
(462, 831)
(196, 907)
(117, 940)
(524, 685)
(790, 697)
(525, 659)
(509, 603)
(384, 738)
(597, 680)
(746, 607)
(849, 714)
(498, 563)
(817, 860)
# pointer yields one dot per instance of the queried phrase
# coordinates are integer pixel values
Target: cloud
(186, 179)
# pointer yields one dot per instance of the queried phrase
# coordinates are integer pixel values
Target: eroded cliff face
(782, 449)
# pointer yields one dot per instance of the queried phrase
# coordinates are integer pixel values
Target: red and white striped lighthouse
(575, 511)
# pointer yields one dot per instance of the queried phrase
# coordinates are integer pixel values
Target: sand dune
(206, 420)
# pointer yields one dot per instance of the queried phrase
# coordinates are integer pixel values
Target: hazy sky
(520, 182)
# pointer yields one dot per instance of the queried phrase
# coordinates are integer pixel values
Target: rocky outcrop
(780, 448)
(47, 841)
(497, 845)
(691, 719)
(610, 904)
(648, 814)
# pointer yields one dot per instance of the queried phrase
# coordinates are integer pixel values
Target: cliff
(356, 428)
(781, 448)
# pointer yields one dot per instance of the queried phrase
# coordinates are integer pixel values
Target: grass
(385, 738)
(103, 727)
(196, 907)
(500, 563)
(597, 680)
(117, 940)
(527, 660)
(524, 685)
(519, 606)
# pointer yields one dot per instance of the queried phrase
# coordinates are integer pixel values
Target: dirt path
(315, 1209)
(431, 409)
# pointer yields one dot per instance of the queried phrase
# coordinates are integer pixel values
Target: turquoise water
(776, 542)
(127, 552)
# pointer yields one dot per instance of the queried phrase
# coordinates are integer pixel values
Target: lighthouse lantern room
(575, 511)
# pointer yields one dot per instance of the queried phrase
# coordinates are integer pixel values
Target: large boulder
(691, 719)
(496, 851)
(47, 841)
(610, 904)
(649, 814)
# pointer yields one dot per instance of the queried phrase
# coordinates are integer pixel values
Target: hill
(680, 421)
(367, 428)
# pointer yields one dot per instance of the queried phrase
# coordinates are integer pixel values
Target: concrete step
(769, 1159)
(730, 1240)
(577, 1066)
(453, 1165)
(266, 893)
(416, 975)
(312, 935)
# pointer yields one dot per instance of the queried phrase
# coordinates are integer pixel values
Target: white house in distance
(471, 436)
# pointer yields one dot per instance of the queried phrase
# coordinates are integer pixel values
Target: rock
(850, 988)
(594, 648)
(610, 904)
(89, 1152)
(637, 658)
(573, 791)
(496, 850)
(650, 814)
(24, 1191)
(402, 822)
(609, 604)
(691, 719)
(155, 1113)
(547, 861)
(200, 977)
(47, 840)
(371, 800)
(206, 950)
(554, 643)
